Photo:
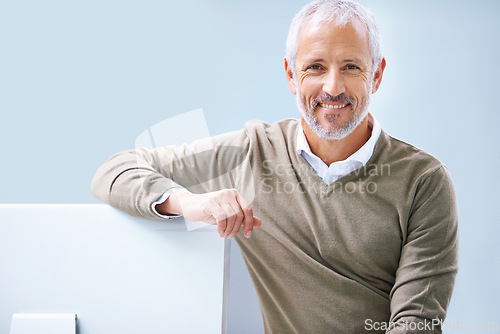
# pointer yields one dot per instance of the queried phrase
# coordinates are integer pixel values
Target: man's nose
(334, 83)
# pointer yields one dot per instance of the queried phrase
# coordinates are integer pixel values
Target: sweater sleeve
(429, 257)
(133, 180)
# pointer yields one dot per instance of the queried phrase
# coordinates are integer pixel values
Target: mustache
(325, 97)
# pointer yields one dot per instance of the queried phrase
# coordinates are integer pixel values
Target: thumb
(257, 222)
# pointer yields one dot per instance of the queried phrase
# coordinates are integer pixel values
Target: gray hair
(340, 13)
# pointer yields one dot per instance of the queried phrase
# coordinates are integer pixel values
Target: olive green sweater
(376, 248)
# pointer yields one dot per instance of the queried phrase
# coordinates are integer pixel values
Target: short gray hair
(340, 13)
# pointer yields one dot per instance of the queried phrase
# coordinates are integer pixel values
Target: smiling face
(333, 78)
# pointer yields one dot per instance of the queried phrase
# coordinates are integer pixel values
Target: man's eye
(314, 67)
(352, 67)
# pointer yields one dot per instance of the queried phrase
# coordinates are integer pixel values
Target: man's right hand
(225, 208)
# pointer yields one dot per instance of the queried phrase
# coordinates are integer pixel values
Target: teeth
(329, 106)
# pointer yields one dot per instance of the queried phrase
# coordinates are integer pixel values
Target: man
(353, 230)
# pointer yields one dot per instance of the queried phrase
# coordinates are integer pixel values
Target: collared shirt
(338, 169)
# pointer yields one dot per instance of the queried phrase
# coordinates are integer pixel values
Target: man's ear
(377, 78)
(289, 76)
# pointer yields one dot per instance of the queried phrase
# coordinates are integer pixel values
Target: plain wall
(79, 80)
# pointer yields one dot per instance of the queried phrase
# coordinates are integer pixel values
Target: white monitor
(118, 273)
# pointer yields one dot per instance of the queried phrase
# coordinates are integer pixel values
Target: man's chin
(330, 133)
(332, 129)
(336, 135)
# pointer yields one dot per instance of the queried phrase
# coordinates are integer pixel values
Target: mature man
(356, 231)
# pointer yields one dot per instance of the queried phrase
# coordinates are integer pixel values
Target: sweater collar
(339, 168)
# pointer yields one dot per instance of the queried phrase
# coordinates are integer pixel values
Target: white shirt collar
(339, 168)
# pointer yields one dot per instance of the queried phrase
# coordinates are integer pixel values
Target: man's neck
(337, 150)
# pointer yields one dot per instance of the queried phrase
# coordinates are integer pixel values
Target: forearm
(429, 257)
(134, 180)
(172, 206)
(131, 181)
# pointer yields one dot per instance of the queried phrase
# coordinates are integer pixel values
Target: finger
(248, 219)
(238, 218)
(210, 211)
(230, 218)
(220, 218)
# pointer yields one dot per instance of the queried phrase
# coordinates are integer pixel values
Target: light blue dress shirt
(338, 169)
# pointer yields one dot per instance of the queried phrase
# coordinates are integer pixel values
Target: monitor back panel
(119, 274)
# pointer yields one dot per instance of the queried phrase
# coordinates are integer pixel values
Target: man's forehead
(352, 35)
(315, 29)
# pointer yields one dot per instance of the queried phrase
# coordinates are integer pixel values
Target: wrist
(172, 205)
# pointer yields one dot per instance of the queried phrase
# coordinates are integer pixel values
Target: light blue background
(79, 80)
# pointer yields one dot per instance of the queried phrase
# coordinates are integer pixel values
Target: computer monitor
(119, 274)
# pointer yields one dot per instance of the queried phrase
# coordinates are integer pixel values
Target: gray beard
(334, 131)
